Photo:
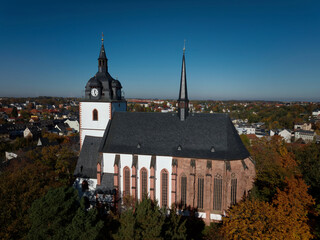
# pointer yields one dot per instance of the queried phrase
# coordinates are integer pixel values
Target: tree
(58, 215)
(25, 115)
(127, 226)
(292, 207)
(14, 112)
(64, 164)
(213, 232)
(49, 155)
(21, 183)
(51, 214)
(308, 161)
(174, 227)
(273, 164)
(145, 221)
(245, 140)
(284, 218)
(250, 219)
(27, 178)
(85, 224)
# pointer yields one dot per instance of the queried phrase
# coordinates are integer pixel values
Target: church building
(195, 161)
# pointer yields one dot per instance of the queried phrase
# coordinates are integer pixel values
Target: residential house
(74, 124)
(306, 136)
(303, 126)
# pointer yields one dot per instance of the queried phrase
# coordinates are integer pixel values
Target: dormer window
(212, 149)
(95, 115)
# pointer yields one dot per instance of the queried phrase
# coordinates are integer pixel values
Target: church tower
(102, 98)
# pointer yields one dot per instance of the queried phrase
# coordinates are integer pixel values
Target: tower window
(95, 115)
(144, 182)
(126, 182)
(183, 191)
(200, 192)
(164, 188)
(217, 192)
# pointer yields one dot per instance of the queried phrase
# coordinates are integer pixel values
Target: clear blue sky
(268, 50)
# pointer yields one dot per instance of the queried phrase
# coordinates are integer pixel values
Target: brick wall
(242, 170)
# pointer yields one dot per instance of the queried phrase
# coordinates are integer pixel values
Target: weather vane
(184, 46)
(102, 37)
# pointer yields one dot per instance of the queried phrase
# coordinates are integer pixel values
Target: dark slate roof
(106, 182)
(102, 54)
(162, 133)
(88, 158)
(183, 94)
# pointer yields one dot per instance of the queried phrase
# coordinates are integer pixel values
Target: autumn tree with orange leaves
(284, 218)
(273, 165)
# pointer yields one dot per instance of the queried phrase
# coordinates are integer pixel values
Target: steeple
(102, 60)
(183, 101)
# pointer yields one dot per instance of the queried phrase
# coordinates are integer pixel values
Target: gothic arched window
(183, 190)
(217, 192)
(95, 115)
(164, 188)
(126, 181)
(200, 191)
(233, 189)
(143, 183)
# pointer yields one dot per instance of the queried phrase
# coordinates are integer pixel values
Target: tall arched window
(217, 192)
(200, 191)
(143, 183)
(183, 190)
(95, 115)
(233, 189)
(164, 188)
(126, 181)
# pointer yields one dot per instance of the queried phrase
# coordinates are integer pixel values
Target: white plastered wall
(108, 162)
(162, 162)
(90, 127)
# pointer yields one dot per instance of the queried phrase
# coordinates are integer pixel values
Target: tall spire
(183, 101)
(102, 60)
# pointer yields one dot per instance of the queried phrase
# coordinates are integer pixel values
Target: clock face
(94, 92)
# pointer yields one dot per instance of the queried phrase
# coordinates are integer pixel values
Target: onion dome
(94, 83)
(116, 83)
